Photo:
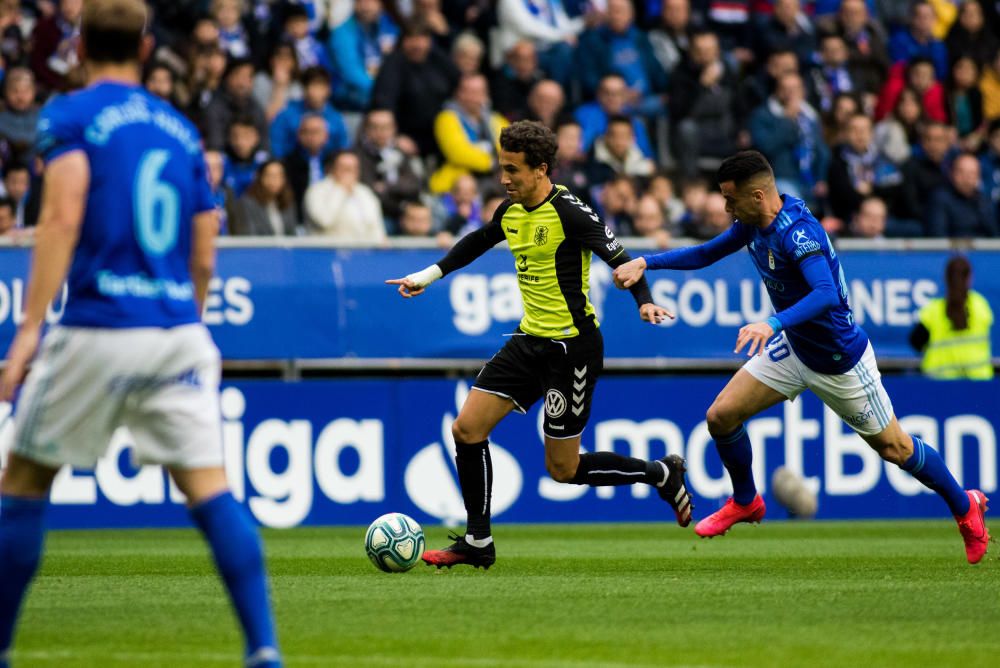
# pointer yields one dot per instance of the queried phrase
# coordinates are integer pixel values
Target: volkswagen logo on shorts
(555, 403)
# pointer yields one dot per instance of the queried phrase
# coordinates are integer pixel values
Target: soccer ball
(394, 542)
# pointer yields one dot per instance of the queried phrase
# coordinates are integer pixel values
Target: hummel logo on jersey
(512, 230)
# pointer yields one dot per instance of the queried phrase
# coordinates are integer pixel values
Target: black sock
(600, 469)
(475, 474)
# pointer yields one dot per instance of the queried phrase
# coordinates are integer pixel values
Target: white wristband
(425, 277)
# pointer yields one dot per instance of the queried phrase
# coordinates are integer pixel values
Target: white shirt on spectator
(334, 212)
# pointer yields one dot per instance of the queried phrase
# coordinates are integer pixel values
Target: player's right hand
(628, 274)
(21, 352)
(407, 288)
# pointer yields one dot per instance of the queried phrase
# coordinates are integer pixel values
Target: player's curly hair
(743, 166)
(536, 141)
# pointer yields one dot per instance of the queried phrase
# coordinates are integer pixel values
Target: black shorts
(564, 371)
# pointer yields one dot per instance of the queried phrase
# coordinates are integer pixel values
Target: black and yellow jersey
(552, 244)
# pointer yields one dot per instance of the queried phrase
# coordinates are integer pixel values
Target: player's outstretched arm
(468, 248)
(702, 255)
(64, 196)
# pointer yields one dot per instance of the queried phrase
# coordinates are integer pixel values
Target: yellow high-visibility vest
(962, 354)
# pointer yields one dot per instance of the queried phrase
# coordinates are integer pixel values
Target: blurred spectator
(467, 131)
(544, 22)
(661, 188)
(267, 208)
(859, 169)
(866, 44)
(546, 102)
(694, 191)
(275, 87)
(467, 53)
(446, 238)
(832, 75)
(612, 100)
(788, 28)
(458, 211)
(234, 99)
(730, 20)
(671, 38)
(514, 81)
(619, 47)
(570, 169)
(304, 165)
(340, 207)
(919, 40)
(962, 209)
(835, 121)
(965, 102)
(616, 153)
(701, 106)
(19, 117)
(8, 222)
(755, 88)
(309, 51)
(953, 332)
(415, 220)
(208, 64)
(714, 219)
(897, 133)
(648, 222)
(24, 191)
(158, 79)
(244, 154)
(919, 75)
(222, 195)
(389, 163)
(13, 46)
(359, 46)
(989, 86)
(989, 163)
(414, 82)
(869, 222)
(970, 36)
(54, 45)
(617, 200)
(787, 130)
(315, 100)
(927, 169)
(233, 36)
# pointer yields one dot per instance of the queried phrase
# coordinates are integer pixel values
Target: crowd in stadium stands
(365, 119)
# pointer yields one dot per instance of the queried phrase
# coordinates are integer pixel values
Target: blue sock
(926, 465)
(22, 532)
(737, 455)
(240, 560)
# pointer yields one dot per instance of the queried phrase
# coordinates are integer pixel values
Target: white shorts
(857, 396)
(163, 384)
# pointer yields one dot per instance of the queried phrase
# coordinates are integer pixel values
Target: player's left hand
(756, 335)
(654, 314)
(21, 352)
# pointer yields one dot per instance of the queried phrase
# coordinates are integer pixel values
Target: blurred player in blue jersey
(127, 220)
(812, 342)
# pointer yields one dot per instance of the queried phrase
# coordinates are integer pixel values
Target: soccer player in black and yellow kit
(557, 351)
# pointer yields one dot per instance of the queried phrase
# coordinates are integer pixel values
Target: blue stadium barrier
(298, 302)
(344, 452)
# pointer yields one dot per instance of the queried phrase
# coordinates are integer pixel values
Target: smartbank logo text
(479, 301)
(288, 469)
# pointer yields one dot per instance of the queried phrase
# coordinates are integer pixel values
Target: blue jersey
(147, 180)
(830, 342)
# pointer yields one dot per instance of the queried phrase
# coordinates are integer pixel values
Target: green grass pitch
(624, 595)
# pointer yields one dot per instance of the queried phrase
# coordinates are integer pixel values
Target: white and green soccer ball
(394, 542)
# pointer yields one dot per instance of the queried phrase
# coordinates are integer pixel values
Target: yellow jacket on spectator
(463, 152)
(955, 354)
(946, 12)
(989, 86)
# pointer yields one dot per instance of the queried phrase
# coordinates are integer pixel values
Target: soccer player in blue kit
(127, 220)
(812, 342)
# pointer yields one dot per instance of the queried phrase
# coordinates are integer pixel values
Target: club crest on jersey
(541, 236)
(770, 258)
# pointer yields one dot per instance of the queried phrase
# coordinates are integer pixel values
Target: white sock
(482, 542)
(666, 473)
